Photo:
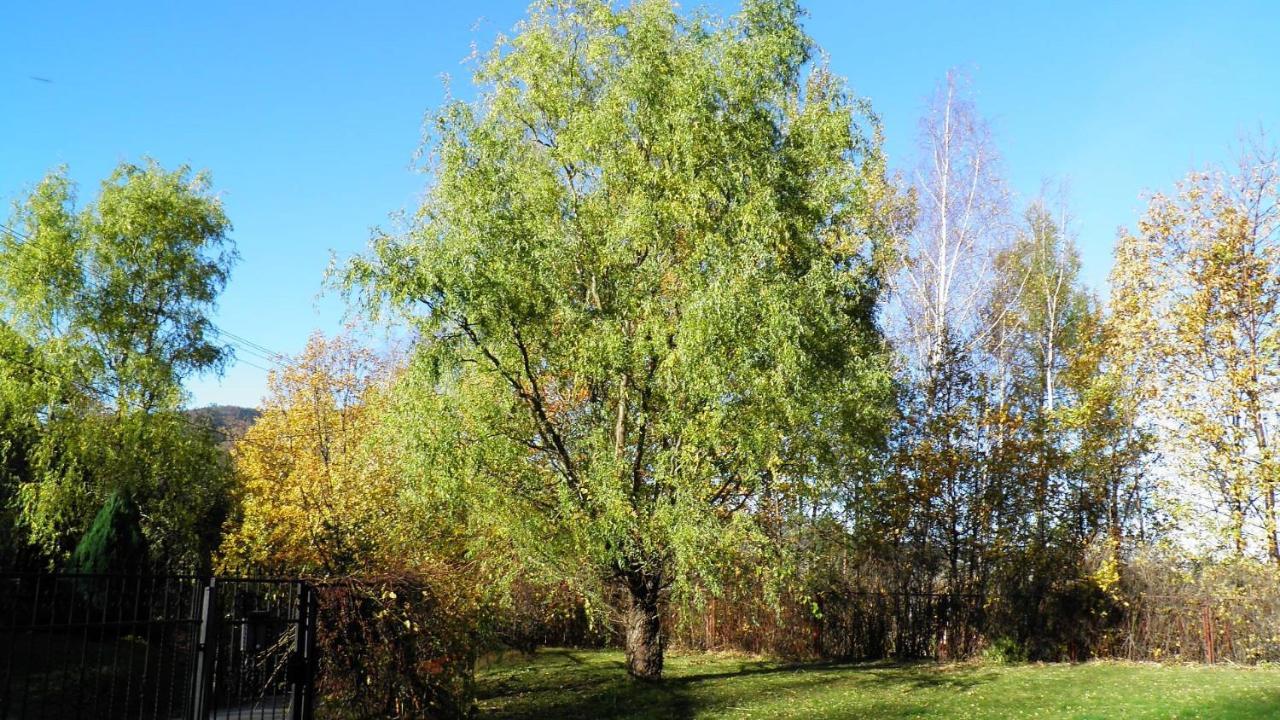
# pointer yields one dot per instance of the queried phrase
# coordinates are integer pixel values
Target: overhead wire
(15, 240)
(237, 342)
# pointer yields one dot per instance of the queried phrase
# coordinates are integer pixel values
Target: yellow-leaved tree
(1196, 297)
(317, 496)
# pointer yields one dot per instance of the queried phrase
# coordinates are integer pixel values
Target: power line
(268, 353)
(241, 361)
(182, 416)
(20, 240)
(274, 359)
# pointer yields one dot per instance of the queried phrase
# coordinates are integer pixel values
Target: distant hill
(231, 421)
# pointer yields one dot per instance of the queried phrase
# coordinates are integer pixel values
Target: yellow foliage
(1107, 573)
(316, 494)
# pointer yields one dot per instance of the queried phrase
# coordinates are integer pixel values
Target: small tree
(316, 497)
(644, 277)
(114, 542)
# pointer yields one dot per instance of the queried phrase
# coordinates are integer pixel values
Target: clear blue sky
(308, 114)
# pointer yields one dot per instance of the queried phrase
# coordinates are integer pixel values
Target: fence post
(302, 682)
(206, 651)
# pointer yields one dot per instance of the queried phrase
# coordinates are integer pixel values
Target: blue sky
(308, 114)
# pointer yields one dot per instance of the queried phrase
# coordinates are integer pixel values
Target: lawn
(593, 684)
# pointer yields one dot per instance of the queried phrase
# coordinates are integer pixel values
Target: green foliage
(122, 287)
(103, 313)
(645, 277)
(114, 543)
(1003, 650)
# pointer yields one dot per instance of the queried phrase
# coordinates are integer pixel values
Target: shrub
(1195, 610)
(1004, 651)
(533, 616)
(396, 646)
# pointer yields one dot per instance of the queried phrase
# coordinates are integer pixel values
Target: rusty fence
(1242, 630)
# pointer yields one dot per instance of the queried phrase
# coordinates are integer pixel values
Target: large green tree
(645, 277)
(105, 311)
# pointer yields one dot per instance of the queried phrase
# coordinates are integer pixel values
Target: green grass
(593, 684)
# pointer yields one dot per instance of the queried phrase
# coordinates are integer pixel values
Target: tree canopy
(105, 312)
(645, 275)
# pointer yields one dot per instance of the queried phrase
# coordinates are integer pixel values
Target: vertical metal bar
(257, 600)
(128, 631)
(278, 610)
(71, 618)
(236, 650)
(242, 664)
(160, 629)
(50, 642)
(116, 639)
(149, 627)
(165, 632)
(297, 663)
(78, 588)
(11, 638)
(190, 617)
(1207, 615)
(296, 614)
(310, 664)
(202, 683)
(105, 599)
(26, 679)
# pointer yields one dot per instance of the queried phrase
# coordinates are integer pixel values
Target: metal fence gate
(166, 647)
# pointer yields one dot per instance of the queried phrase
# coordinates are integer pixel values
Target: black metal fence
(162, 647)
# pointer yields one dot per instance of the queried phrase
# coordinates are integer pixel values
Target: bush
(396, 646)
(1004, 651)
(535, 616)
(1199, 610)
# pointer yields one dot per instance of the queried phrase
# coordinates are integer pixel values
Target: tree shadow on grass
(915, 675)
(563, 685)
(1236, 708)
(567, 684)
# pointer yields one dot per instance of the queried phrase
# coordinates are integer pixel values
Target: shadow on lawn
(1253, 708)
(563, 685)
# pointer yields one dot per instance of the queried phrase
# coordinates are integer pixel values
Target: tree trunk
(1269, 501)
(1237, 525)
(643, 626)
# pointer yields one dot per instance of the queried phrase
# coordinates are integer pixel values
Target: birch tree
(941, 289)
(961, 219)
(106, 309)
(1044, 318)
